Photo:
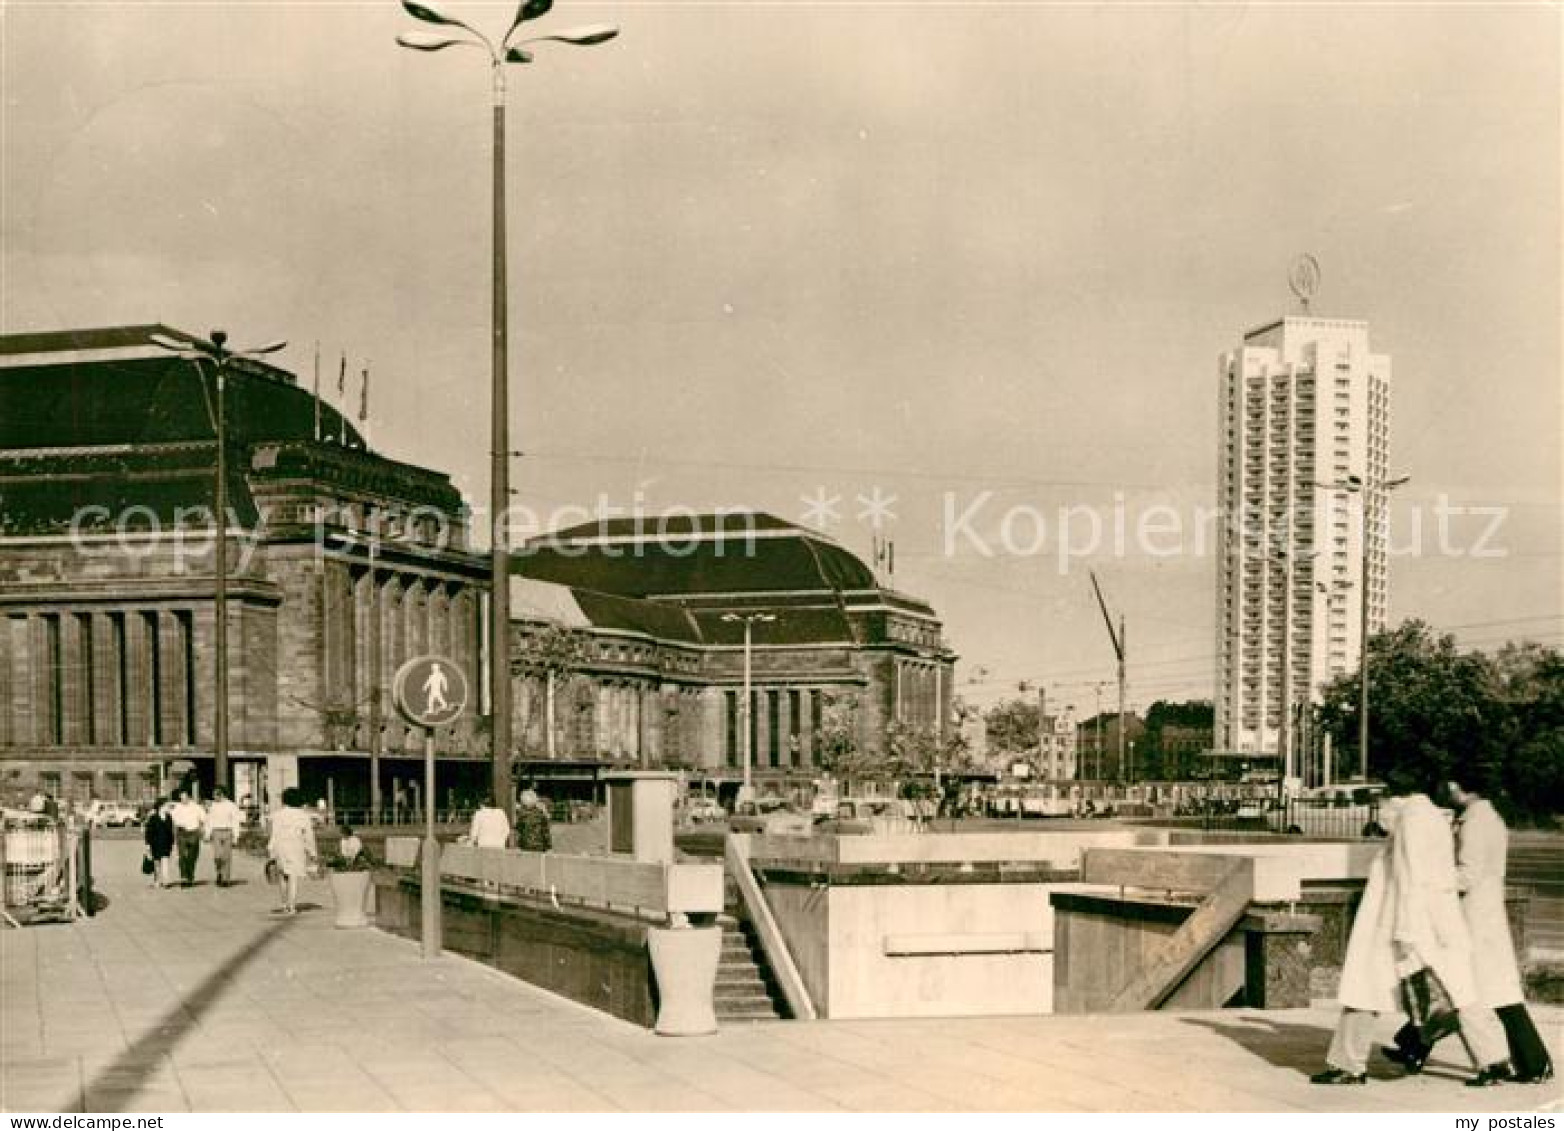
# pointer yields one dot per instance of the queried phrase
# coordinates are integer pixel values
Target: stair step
(743, 999)
(728, 1009)
(748, 1015)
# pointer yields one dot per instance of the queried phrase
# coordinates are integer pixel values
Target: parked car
(861, 816)
(704, 809)
(771, 816)
(108, 814)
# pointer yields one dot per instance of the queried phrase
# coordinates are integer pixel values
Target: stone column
(806, 726)
(6, 704)
(108, 695)
(762, 729)
(709, 731)
(172, 679)
(42, 690)
(600, 741)
(649, 716)
(73, 689)
(138, 685)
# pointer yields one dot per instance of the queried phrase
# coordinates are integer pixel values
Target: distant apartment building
(1057, 747)
(1097, 746)
(1304, 411)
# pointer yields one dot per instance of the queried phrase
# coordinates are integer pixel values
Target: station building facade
(343, 564)
(657, 610)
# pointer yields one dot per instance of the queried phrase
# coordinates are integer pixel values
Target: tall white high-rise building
(1304, 411)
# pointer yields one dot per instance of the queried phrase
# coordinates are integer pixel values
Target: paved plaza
(202, 1000)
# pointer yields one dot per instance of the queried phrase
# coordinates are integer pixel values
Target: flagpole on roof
(363, 402)
(317, 390)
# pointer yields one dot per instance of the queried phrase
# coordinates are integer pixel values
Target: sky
(961, 269)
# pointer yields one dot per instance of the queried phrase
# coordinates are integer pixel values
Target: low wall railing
(656, 891)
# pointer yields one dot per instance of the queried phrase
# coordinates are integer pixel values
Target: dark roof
(100, 338)
(152, 400)
(102, 418)
(692, 555)
(626, 614)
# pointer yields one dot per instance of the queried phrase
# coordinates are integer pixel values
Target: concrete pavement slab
(200, 999)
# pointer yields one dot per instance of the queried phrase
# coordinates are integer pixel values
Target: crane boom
(1118, 638)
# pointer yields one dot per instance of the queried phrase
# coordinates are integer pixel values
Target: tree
(550, 652)
(1531, 686)
(837, 733)
(1013, 727)
(1496, 721)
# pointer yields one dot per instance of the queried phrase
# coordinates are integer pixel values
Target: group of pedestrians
(491, 828)
(176, 829)
(1431, 939)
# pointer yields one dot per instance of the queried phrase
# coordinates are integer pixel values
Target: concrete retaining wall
(592, 957)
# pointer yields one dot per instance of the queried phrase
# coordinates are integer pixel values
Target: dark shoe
(1337, 1076)
(1413, 1062)
(1490, 1076)
(1542, 1074)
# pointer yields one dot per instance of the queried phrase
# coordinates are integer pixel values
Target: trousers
(188, 842)
(223, 855)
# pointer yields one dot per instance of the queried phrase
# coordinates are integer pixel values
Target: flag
(363, 396)
(342, 388)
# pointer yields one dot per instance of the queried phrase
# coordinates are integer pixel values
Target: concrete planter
(684, 962)
(350, 892)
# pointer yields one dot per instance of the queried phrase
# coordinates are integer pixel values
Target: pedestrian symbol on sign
(430, 691)
(435, 702)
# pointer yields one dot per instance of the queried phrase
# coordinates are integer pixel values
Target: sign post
(430, 692)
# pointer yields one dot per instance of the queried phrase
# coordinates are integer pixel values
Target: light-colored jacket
(1482, 843)
(490, 828)
(1410, 899)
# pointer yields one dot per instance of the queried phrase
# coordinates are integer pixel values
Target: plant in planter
(349, 873)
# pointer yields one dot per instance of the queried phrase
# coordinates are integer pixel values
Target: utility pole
(1117, 639)
(1097, 767)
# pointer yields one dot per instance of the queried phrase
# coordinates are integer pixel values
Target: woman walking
(292, 847)
(158, 835)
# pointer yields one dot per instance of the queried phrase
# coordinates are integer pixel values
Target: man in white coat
(1482, 849)
(1410, 919)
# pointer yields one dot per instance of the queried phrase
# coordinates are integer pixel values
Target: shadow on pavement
(1280, 1043)
(1302, 1047)
(129, 1072)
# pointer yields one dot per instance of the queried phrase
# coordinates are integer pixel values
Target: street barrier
(39, 859)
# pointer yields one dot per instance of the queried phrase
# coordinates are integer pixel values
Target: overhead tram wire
(816, 469)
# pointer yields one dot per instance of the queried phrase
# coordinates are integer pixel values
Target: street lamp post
(215, 350)
(1373, 517)
(1284, 738)
(499, 481)
(745, 745)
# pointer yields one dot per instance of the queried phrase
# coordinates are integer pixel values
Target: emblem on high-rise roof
(1304, 279)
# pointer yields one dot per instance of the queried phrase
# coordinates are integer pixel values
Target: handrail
(772, 944)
